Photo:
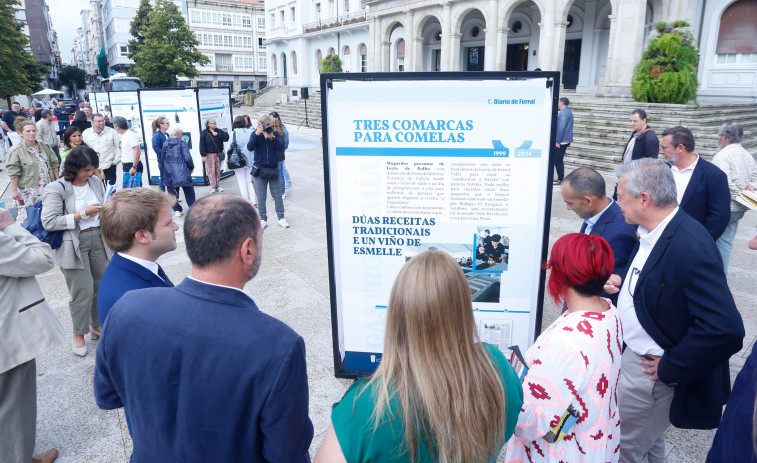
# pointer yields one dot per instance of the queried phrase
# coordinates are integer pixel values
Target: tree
(21, 73)
(331, 63)
(169, 48)
(138, 26)
(667, 72)
(73, 77)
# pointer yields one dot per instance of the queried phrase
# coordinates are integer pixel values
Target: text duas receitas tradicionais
(383, 236)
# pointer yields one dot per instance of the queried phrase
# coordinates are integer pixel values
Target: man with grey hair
(680, 323)
(105, 142)
(741, 172)
(130, 152)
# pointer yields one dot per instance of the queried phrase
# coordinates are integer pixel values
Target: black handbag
(267, 173)
(236, 159)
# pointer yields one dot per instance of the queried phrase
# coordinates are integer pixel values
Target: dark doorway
(571, 63)
(284, 64)
(475, 60)
(437, 60)
(517, 57)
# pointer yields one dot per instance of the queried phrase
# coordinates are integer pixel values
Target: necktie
(163, 275)
(587, 227)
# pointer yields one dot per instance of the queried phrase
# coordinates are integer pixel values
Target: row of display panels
(189, 108)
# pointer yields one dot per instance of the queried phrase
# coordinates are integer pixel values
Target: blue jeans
(189, 195)
(725, 242)
(162, 185)
(63, 125)
(284, 179)
(261, 191)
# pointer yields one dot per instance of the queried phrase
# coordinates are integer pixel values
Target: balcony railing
(224, 67)
(330, 23)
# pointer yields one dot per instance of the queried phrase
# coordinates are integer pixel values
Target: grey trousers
(83, 284)
(644, 407)
(261, 191)
(18, 413)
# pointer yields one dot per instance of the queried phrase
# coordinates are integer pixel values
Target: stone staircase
(293, 113)
(602, 127)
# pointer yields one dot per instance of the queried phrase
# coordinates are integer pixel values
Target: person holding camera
(264, 143)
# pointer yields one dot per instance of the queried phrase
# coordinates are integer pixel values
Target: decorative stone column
(490, 44)
(374, 51)
(558, 57)
(454, 64)
(547, 40)
(386, 63)
(588, 47)
(626, 46)
(446, 36)
(502, 47)
(409, 41)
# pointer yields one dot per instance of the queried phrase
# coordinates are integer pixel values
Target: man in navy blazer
(584, 193)
(702, 188)
(206, 376)
(680, 323)
(137, 224)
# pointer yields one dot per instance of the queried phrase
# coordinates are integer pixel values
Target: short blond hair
(129, 211)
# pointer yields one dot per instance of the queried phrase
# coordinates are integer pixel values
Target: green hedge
(667, 72)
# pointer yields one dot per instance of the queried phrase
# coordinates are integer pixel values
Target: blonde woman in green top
(439, 394)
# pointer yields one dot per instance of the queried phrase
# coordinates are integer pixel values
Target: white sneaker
(263, 224)
(283, 223)
(283, 196)
(178, 213)
(213, 190)
(219, 190)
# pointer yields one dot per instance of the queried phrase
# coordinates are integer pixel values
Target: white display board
(181, 108)
(216, 103)
(126, 105)
(436, 161)
(100, 102)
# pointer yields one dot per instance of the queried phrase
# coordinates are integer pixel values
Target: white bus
(121, 82)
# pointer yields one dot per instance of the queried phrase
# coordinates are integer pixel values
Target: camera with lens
(269, 130)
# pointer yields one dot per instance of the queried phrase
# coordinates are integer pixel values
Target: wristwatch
(83, 215)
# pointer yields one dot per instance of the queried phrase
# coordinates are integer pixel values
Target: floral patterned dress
(575, 362)
(32, 195)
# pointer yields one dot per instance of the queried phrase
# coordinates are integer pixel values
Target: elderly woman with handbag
(211, 149)
(73, 204)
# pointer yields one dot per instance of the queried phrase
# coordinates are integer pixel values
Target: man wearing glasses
(680, 323)
(105, 142)
(701, 188)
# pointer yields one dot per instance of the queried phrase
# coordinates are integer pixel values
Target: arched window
(294, 62)
(318, 60)
(737, 38)
(401, 55)
(346, 59)
(363, 52)
(274, 64)
(331, 52)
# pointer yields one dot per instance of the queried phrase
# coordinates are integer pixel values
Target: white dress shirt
(224, 286)
(633, 333)
(682, 178)
(591, 221)
(148, 264)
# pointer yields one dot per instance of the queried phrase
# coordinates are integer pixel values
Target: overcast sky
(66, 18)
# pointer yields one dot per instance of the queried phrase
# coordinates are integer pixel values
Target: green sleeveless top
(354, 426)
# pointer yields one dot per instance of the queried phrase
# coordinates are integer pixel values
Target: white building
(301, 33)
(595, 43)
(232, 35)
(116, 19)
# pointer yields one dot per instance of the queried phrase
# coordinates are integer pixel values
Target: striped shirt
(740, 168)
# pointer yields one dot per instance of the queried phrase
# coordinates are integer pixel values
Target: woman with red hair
(570, 408)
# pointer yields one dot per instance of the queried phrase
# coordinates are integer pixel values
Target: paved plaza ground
(293, 286)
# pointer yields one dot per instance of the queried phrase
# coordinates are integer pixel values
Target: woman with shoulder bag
(264, 143)
(211, 149)
(31, 166)
(177, 168)
(73, 205)
(284, 178)
(242, 134)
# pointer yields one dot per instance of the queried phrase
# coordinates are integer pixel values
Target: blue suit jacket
(733, 441)
(683, 302)
(205, 376)
(707, 198)
(120, 276)
(620, 235)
